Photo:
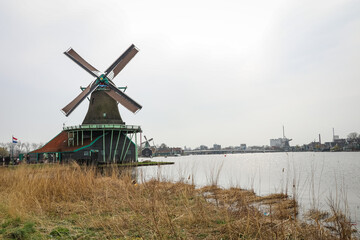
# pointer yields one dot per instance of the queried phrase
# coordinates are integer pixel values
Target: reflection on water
(313, 178)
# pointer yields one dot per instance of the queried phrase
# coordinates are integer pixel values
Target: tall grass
(82, 202)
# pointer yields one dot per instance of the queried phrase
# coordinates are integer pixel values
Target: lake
(314, 178)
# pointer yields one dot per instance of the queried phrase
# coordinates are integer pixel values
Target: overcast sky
(224, 72)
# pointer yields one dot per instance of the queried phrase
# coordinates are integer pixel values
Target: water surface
(314, 178)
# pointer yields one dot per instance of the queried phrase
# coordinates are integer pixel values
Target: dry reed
(73, 202)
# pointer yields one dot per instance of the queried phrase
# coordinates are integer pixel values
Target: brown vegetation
(70, 202)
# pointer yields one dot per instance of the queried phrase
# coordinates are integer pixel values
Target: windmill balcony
(103, 126)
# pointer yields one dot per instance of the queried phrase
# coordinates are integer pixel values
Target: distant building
(256, 148)
(187, 148)
(339, 144)
(203, 147)
(243, 146)
(315, 146)
(280, 143)
(276, 142)
(169, 151)
(217, 147)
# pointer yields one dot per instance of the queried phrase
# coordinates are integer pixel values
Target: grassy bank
(69, 202)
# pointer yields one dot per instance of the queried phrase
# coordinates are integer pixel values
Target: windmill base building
(91, 144)
(103, 137)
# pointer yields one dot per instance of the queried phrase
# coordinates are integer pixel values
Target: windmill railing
(103, 127)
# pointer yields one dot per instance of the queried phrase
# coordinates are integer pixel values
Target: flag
(14, 140)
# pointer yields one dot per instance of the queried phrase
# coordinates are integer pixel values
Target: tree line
(18, 148)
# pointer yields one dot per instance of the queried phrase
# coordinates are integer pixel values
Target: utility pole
(140, 141)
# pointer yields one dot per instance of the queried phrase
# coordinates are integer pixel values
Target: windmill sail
(105, 83)
(82, 63)
(74, 103)
(123, 99)
(121, 62)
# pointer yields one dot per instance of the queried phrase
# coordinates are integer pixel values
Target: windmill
(102, 137)
(148, 151)
(104, 93)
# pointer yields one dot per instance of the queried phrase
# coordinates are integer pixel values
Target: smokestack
(333, 135)
(319, 138)
(283, 132)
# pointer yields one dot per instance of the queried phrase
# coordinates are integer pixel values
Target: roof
(60, 144)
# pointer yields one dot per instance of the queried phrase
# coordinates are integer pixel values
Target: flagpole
(12, 150)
